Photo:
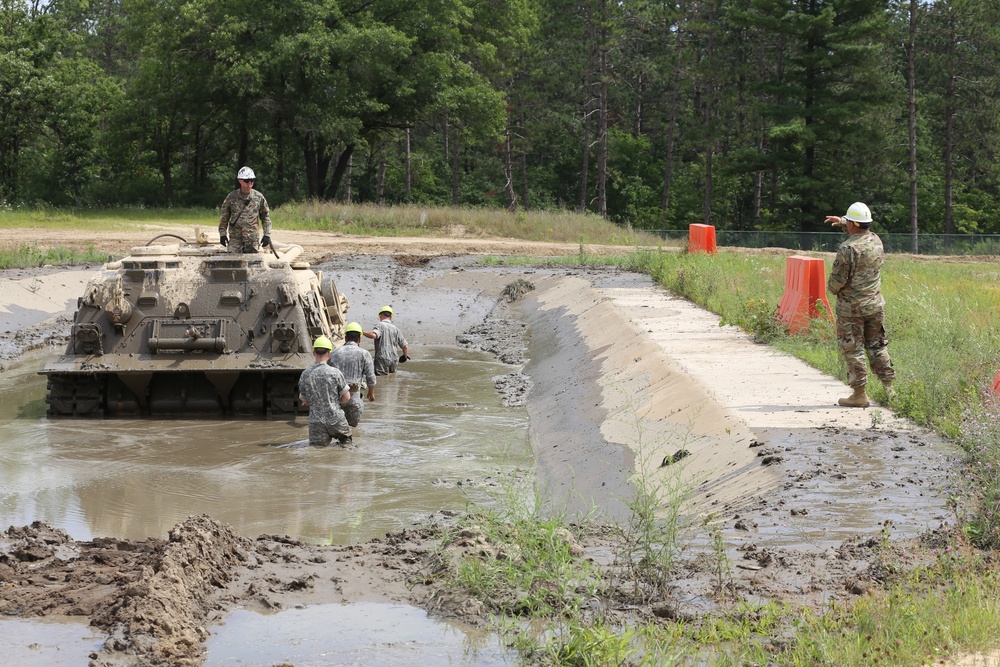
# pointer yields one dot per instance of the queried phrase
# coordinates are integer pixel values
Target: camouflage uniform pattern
(322, 386)
(240, 213)
(358, 368)
(856, 281)
(388, 343)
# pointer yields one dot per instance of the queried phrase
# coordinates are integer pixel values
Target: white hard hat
(859, 213)
(245, 174)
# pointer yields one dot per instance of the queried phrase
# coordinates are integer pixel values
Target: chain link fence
(921, 244)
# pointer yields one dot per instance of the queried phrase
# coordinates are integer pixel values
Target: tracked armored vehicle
(187, 329)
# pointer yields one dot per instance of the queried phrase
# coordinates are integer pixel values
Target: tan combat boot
(859, 399)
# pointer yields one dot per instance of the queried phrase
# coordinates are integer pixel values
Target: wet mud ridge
(155, 599)
(152, 598)
(504, 336)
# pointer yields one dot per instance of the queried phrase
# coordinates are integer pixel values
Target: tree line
(744, 114)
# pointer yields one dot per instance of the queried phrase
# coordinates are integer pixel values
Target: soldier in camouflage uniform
(323, 389)
(387, 340)
(240, 211)
(358, 368)
(856, 281)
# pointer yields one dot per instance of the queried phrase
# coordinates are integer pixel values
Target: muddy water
(436, 437)
(370, 634)
(49, 642)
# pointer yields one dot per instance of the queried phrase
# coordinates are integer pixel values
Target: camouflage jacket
(242, 216)
(387, 342)
(856, 277)
(322, 385)
(355, 363)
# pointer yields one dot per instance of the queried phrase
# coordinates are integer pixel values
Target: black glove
(403, 358)
(224, 240)
(265, 241)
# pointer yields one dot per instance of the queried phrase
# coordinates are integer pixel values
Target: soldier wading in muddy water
(856, 281)
(240, 211)
(323, 389)
(358, 368)
(387, 340)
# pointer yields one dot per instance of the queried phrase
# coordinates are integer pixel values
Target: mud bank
(624, 384)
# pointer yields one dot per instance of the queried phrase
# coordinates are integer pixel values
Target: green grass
(103, 219)
(353, 219)
(360, 219)
(26, 255)
(928, 615)
(559, 227)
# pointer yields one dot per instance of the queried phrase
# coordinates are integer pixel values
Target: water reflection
(437, 422)
(370, 634)
(50, 642)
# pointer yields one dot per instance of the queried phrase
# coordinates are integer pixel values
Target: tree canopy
(746, 114)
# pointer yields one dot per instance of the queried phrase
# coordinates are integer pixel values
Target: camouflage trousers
(386, 366)
(354, 408)
(244, 241)
(861, 336)
(323, 433)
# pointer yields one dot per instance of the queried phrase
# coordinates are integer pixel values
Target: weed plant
(655, 532)
(524, 564)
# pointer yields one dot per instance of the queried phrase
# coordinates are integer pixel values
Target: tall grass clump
(27, 255)
(104, 219)
(375, 220)
(914, 621)
(979, 435)
(518, 557)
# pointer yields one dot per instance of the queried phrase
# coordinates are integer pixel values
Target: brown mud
(813, 506)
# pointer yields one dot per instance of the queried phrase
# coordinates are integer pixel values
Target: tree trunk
(309, 157)
(347, 177)
(508, 167)
(640, 89)
(911, 48)
(709, 122)
(587, 98)
(602, 155)
(380, 182)
(525, 196)
(949, 133)
(406, 161)
(243, 150)
(668, 162)
(164, 156)
(343, 162)
(455, 180)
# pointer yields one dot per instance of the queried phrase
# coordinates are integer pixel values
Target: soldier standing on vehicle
(388, 340)
(241, 210)
(323, 389)
(856, 281)
(358, 368)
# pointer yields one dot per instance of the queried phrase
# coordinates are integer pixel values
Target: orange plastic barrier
(701, 238)
(805, 289)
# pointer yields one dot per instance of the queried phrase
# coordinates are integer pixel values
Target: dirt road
(625, 380)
